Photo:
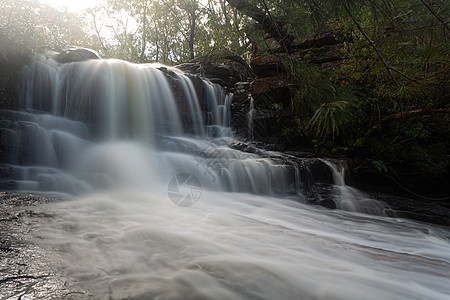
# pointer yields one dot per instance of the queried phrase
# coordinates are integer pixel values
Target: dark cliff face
(11, 66)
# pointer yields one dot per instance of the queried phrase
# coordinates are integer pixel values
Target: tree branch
(269, 25)
(371, 44)
(435, 14)
(413, 113)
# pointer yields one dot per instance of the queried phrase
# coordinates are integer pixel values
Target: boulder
(248, 148)
(276, 88)
(267, 65)
(269, 84)
(76, 55)
(224, 68)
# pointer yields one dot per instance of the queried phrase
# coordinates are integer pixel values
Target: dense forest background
(384, 103)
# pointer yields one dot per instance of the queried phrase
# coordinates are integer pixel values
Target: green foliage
(170, 31)
(142, 31)
(380, 166)
(312, 84)
(298, 128)
(413, 45)
(317, 144)
(396, 54)
(28, 27)
(332, 119)
(332, 108)
(222, 29)
(289, 134)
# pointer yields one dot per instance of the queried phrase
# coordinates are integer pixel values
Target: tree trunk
(413, 113)
(156, 40)
(144, 31)
(192, 35)
(165, 50)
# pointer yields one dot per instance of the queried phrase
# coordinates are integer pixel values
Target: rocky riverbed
(27, 269)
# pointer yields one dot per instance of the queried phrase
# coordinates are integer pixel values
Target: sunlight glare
(73, 6)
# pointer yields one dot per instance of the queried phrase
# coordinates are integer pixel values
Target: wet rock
(253, 113)
(5, 244)
(269, 94)
(277, 85)
(302, 154)
(435, 212)
(224, 68)
(320, 172)
(269, 145)
(239, 110)
(8, 185)
(27, 269)
(267, 65)
(245, 148)
(320, 194)
(76, 55)
(253, 118)
(215, 73)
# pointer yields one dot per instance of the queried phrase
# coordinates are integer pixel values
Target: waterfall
(351, 199)
(250, 116)
(104, 124)
(136, 146)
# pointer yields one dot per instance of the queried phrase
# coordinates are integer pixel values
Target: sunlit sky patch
(73, 5)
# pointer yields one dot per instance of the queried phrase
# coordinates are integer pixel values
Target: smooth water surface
(139, 245)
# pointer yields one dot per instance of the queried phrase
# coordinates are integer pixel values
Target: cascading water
(128, 137)
(251, 112)
(109, 123)
(350, 199)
